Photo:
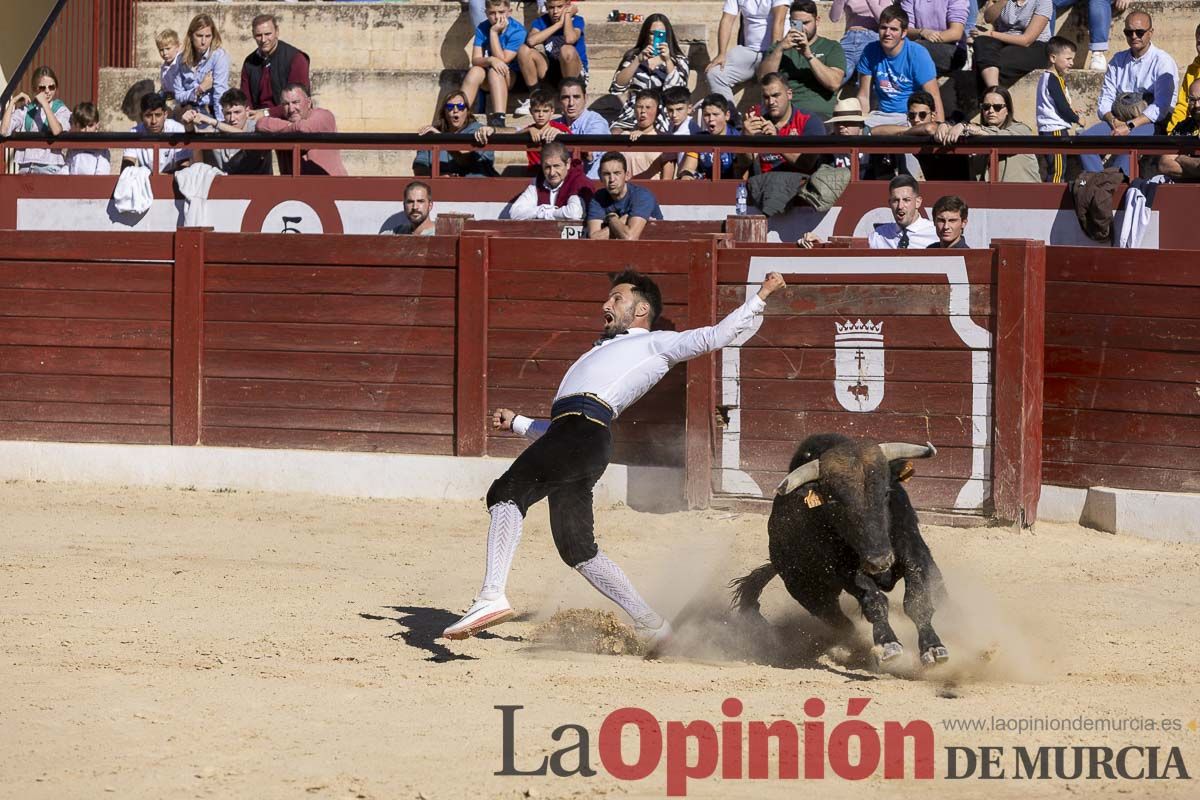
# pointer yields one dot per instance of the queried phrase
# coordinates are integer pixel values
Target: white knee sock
(602, 573)
(504, 534)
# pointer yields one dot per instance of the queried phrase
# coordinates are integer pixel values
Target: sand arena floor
(162, 644)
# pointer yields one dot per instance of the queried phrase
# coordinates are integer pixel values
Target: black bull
(841, 521)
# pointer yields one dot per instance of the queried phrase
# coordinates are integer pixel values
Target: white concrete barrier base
(1170, 516)
(378, 475)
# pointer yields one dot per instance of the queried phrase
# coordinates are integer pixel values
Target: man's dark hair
(542, 97)
(773, 77)
(153, 102)
(613, 155)
(85, 114)
(894, 13)
(573, 81)
(418, 185)
(235, 97)
(716, 100)
(676, 95)
(645, 289)
(807, 6)
(902, 181)
(951, 202)
(1059, 44)
(556, 150)
(651, 94)
(920, 98)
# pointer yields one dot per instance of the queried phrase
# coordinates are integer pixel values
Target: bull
(841, 521)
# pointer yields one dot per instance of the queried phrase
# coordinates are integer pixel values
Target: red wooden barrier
(1122, 364)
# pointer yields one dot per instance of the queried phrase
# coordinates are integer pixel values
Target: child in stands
(169, 50)
(1055, 115)
(85, 119)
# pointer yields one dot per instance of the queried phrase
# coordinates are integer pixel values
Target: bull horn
(895, 450)
(805, 473)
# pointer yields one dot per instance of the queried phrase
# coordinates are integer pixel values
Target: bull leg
(874, 605)
(923, 587)
(818, 601)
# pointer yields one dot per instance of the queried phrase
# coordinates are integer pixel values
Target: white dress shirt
(1155, 73)
(168, 157)
(620, 370)
(921, 234)
(756, 15)
(526, 206)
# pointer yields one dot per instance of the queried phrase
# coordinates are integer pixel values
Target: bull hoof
(891, 650)
(935, 655)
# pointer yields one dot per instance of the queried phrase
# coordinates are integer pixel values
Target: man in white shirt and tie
(571, 450)
(910, 230)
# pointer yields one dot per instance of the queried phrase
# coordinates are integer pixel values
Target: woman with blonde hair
(203, 74)
(43, 113)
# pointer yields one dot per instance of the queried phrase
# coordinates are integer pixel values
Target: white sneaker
(1097, 63)
(655, 639)
(482, 614)
(523, 109)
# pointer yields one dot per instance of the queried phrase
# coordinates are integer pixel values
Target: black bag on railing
(1092, 193)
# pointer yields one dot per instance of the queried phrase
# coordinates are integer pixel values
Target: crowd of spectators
(913, 68)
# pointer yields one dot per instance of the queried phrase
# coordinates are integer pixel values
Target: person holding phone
(813, 66)
(43, 113)
(655, 62)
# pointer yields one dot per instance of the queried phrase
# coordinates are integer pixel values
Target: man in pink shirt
(300, 116)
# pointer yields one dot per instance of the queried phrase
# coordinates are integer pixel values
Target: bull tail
(747, 589)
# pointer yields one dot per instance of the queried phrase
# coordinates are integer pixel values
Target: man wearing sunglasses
(1142, 69)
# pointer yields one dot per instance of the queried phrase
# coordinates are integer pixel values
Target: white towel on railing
(1136, 220)
(133, 192)
(194, 183)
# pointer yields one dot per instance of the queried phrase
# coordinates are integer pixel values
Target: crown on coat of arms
(858, 327)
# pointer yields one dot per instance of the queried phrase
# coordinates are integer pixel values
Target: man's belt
(588, 406)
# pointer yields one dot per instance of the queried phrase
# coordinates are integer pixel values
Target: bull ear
(807, 472)
(896, 450)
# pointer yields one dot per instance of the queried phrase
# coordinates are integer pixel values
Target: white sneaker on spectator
(523, 109)
(482, 614)
(1098, 63)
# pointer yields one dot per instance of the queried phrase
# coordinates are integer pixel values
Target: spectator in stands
(950, 222)
(680, 121)
(647, 166)
(776, 117)
(454, 117)
(156, 121)
(203, 75)
(1055, 114)
(44, 113)
(862, 28)
(897, 68)
(1016, 45)
(940, 26)
(497, 41)
(271, 67)
(620, 210)
(541, 108)
(1181, 111)
(236, 118)
(922, 121)
(301, 116)
(579, 119)
(847, 120)
(1144, 70)
(560, 191)
(1100, 14)
(996, 114)
(648, 65)
(86, 119)
(763, 22)
(418, 203)
(1180, 168)
(563, 54)
(714, 116)
(908, 228)
(813, 66)
(169, 51)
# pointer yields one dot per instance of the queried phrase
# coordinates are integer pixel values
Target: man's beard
(618, 326)
(417, 220)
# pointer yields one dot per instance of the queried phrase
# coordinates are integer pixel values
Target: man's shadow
(422, 628)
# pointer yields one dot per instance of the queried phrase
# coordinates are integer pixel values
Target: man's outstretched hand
(502, 419)
(771, 284)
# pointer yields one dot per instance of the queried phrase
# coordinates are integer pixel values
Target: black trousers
(562, 466)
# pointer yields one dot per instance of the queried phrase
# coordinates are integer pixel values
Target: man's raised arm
(690, 344)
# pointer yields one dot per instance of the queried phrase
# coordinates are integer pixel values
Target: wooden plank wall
(1122, 369)
(544, 300)
(329, 342)
(788, 369)
(85, 337)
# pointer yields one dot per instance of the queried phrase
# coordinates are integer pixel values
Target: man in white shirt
(558, 193)
(572, 449)
(909, 231)
(155, 121)
(1142, 69)
(763, 24)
